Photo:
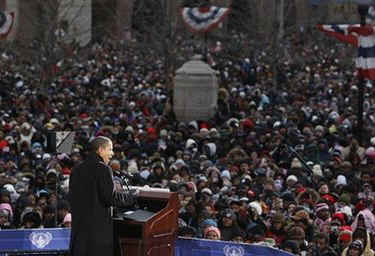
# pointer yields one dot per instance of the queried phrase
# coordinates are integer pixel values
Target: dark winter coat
(90, 195)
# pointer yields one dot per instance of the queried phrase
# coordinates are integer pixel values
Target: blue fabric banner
(34, 240)
(199, 247)
(57, 240)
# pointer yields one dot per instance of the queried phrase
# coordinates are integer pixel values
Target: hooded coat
(90, 195)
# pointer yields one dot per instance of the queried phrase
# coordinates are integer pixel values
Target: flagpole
(362, 10)
(206, 47)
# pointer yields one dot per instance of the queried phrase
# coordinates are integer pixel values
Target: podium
(152, 229)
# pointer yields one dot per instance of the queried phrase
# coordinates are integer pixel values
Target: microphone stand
(297, 155)
(133, 198)
(126, 194)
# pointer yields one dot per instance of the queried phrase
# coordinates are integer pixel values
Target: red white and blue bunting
(6, 24)
(203, 19)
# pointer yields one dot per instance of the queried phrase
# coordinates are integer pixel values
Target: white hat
(317, 170)
(256, 205)
(129, 129)
(26, 126)
(296, 163)
(203, 178)
(10, 139)
(54, 121)
(194, 124)
(341, 180)
(347, 210)
(10, 188)
(46, 156)
(164, 133)
(372, 141)
(132, 167)
(292, 177)
(207, 190)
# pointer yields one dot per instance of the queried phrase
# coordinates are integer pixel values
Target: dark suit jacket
(90, 195)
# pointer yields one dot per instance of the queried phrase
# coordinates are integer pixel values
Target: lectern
(152, 229)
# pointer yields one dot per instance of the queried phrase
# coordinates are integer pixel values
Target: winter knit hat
(67, 218)
(340, 217)
(357, 244)
(321, 206)
(345, 234)
(7, 207)
(209, 223)
(211, 229)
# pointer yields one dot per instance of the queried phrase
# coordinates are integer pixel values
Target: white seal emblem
(233, 250)
(40, 239)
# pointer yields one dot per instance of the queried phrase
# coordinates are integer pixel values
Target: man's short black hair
(99, 142)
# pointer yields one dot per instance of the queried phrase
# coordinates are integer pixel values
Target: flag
(362, 37)
(203, 19)
(6, 24)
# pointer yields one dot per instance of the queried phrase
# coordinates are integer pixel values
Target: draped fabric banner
(29, 240)
(362, 37)
(203, 19)
(198, 247)
(6, 24)
(50, 240)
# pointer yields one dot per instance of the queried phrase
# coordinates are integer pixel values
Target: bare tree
(58, 29)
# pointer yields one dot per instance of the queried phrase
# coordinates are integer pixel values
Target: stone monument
(195, 91)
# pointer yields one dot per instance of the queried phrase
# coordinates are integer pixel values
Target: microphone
(127, 196)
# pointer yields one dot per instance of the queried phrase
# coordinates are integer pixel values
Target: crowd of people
(280, 164)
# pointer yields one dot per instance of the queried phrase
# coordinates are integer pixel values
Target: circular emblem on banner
(233, 250)
(40, 239)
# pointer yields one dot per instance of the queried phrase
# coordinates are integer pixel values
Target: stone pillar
(3, 4)
(27, 19)
(104, 17)
(302, 13)
(265, 18)
(124, 18)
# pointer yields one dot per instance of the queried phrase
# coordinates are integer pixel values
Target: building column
(3, 4)
(28, 20)
(302, 13)
(124, 19)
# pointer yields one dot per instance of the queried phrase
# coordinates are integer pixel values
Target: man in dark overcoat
(90, 195)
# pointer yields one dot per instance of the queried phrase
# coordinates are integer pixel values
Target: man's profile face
(106, 152)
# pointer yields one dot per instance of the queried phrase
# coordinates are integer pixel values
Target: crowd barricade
(56, 242)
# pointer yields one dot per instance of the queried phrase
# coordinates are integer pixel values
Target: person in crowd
(212, 233)
(355, 248)
(321, 246)
(243, 158)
